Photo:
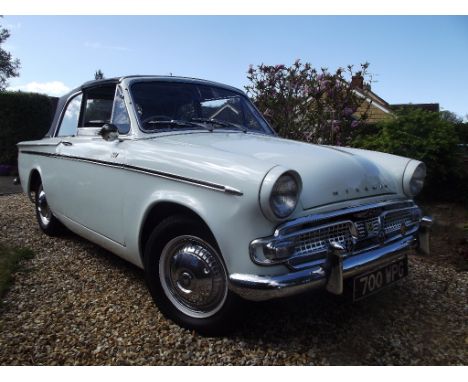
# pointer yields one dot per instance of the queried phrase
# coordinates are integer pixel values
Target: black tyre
(187, 277)
(45, 218)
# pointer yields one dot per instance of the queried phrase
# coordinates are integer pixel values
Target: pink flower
(324, 83)
(355, 124)
(347, 111)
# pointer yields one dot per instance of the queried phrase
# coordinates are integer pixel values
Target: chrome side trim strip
(27, 144)
(166, 175)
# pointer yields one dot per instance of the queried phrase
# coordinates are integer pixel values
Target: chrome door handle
(66, 143)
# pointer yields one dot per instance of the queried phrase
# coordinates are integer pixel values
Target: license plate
(371, 282)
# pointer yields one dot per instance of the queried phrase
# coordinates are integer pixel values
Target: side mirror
(109, 132)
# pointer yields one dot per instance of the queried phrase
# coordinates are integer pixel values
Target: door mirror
(109, 132)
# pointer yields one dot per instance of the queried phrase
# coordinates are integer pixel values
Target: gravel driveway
(77, 304)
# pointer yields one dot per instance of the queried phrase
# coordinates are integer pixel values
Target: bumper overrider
(321, 251)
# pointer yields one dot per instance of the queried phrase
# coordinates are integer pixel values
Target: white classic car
(185, 179)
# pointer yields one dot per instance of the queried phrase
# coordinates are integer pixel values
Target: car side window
(120, 116)
(97, 108)
(69, 124)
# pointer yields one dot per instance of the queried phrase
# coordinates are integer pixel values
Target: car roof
(132, 78)
(138, 77)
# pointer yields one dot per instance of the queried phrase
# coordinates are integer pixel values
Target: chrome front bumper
(331, 274)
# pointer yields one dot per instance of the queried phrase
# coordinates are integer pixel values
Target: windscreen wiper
(175, 123)
(214, 121)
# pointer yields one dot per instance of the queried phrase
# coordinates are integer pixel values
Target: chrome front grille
(318, 240)
(393, 221)
(369, 227)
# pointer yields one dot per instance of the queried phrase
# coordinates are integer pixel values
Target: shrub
(428, 137)
(307, 104)
(23, 116)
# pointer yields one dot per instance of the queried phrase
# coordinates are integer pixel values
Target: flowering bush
(307, 104)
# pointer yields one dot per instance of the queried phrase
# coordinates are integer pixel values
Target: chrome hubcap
(193, 276)
(43, 208)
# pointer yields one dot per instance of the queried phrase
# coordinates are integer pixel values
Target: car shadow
(321, 326)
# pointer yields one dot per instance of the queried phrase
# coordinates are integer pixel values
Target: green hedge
(23, 117)
(427, 137)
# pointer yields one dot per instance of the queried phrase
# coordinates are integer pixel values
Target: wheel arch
(161, 210)
(35, 178)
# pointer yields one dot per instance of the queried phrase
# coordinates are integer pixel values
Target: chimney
(357, 81)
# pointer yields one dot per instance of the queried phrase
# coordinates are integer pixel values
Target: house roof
(434, 107)
(376, 101)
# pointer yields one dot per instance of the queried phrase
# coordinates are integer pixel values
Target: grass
(10, 259)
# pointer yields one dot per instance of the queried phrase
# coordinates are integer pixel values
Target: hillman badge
(369, 226)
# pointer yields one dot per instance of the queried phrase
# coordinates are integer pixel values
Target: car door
(92, 174)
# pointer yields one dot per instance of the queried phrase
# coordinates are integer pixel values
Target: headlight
(413, 178)
(279, 193)
(284, 196)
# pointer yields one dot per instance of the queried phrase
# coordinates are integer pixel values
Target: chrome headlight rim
(413, 178)
(270, 182)
(284, 196)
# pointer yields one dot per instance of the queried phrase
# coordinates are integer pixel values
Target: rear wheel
(187, 277)
(47, 221)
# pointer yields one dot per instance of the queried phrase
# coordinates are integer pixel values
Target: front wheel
(187, 277)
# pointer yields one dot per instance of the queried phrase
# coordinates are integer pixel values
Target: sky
(413, 59)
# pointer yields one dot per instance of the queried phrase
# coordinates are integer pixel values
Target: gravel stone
(77, 304)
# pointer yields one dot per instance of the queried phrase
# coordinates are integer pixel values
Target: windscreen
(164, 106)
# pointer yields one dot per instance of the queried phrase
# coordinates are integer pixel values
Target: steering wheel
(159, 117)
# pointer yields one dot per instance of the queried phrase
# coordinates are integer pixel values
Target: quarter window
(98, 106)
(120, 116)
(69, 124)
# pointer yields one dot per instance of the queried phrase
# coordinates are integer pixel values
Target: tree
(307, 104)
(8, 66)
(450, 116)
(460, 126)
(98, 75)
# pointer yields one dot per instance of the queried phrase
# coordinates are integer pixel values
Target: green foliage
(462, 131)
(8, 66)
(428, 137)
(23, 117)
(9, 263)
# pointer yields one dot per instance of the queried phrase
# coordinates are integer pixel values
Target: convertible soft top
(64, 99)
